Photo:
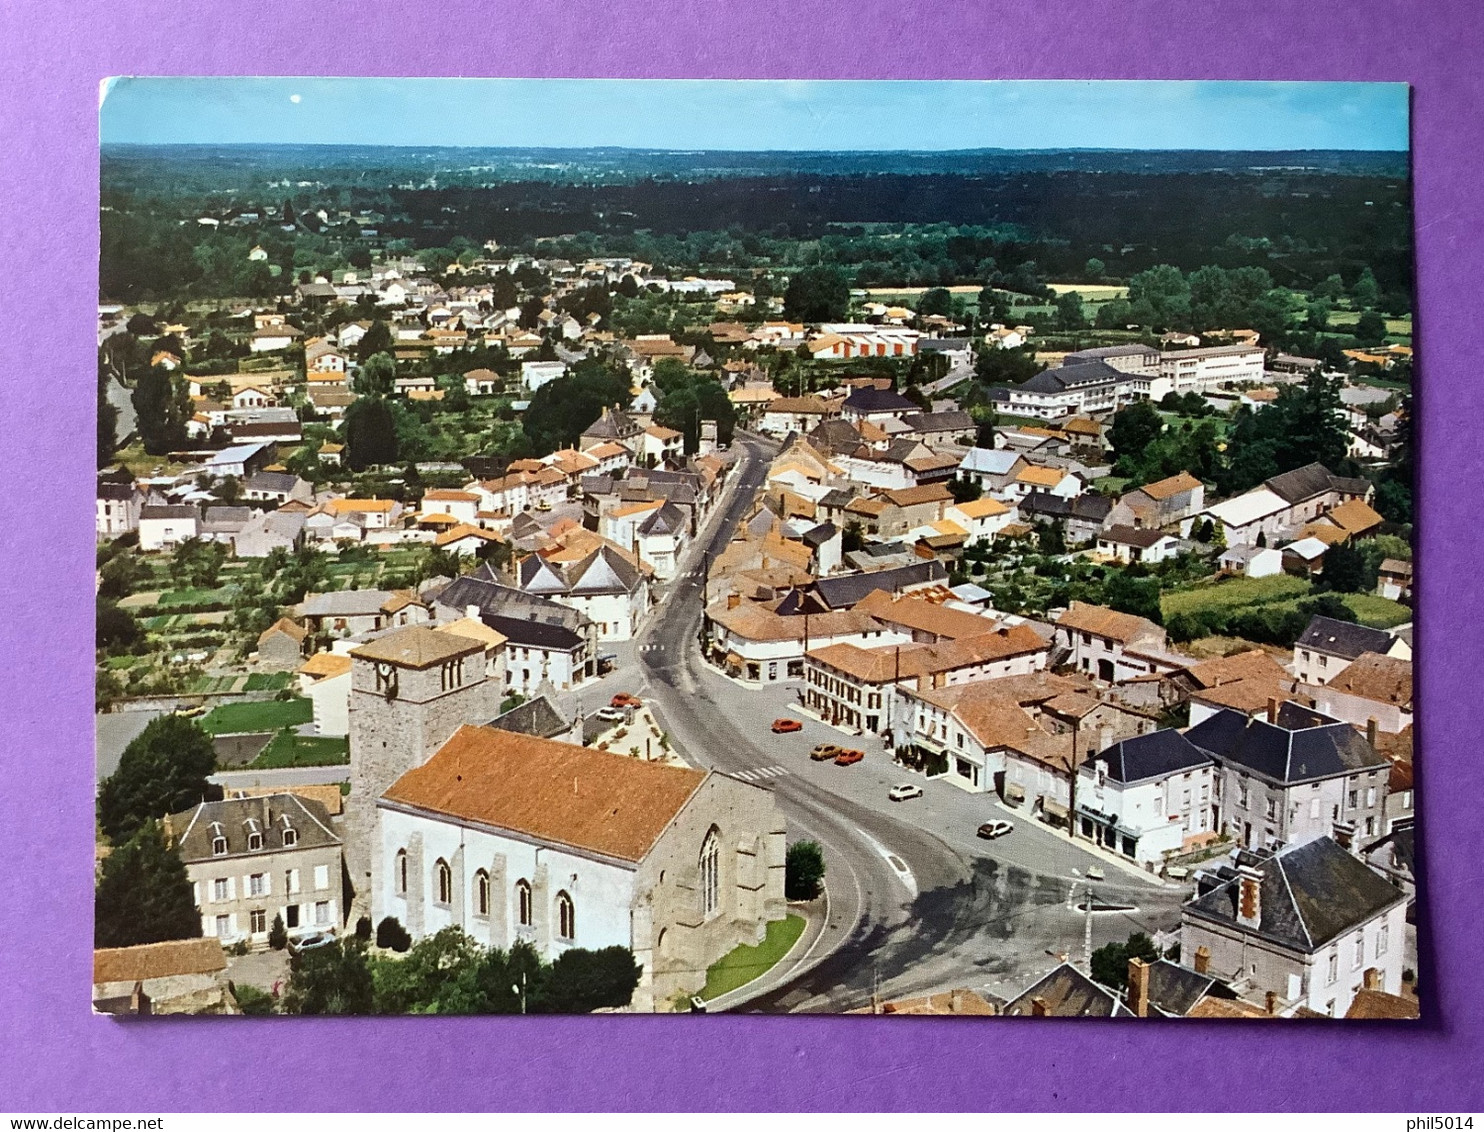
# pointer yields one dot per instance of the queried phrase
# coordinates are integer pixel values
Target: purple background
(54, 1055)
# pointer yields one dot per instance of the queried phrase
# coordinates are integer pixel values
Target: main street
(916, 902)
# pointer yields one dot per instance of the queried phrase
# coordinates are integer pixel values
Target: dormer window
(290, 837)
(218, 846)
(254, 841)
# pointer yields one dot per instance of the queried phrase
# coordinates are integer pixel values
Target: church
(509, 836)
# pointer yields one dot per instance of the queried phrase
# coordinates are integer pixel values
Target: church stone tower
(409, 692)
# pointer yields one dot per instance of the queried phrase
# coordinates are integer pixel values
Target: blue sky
(757, 115)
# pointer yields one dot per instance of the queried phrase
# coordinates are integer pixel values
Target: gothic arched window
(711, 874)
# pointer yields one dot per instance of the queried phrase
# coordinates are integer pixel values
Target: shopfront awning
(1053, 809)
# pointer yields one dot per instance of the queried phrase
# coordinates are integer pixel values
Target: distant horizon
(678, 150)
(760, 116)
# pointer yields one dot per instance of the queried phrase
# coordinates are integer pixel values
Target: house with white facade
(1147, 796)
(1326, 648)
(604, 586)
(1137, 544)
(164, 525)
(250, 860)
(1294, 775)
(1308, 924)
(1111, 646)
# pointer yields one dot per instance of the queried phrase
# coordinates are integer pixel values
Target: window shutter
(231, 888)
(267, 884)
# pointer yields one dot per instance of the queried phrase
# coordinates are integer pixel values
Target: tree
(163, 770)
(278, 936)
(108, 417)
(1366, 292)
(997, 367)
(1110, 962)
(1133, 429)
(580, 981)
(1370, 327)
(162, 406)
(1129, 594)
(1345, 571)
(561, 409)
(936, 300)
(1069, 312)
(817, 294)
(143, 894)
(116, 627)
(330, 980)
(1051, 538)
(1095, 269)
(370, 434)
(376, 340)
(1115, 314)
(530, 312)
(1160, 296)
(392, 935)
(803, 870)
(377, 376)
(964, 490)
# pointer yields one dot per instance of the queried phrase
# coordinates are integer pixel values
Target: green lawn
(1376, 611)
(194, 595)
(269, 715)
(268, 681)
(1232, 593)
(288, 749)
(744, 963)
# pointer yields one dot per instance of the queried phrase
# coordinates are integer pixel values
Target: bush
(391, 935)
(278, 937)
(363, 929)
(253, 1000)
(803, 871)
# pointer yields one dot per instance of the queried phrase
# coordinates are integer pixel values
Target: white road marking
(898, 866)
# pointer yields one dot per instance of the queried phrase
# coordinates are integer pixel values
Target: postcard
(921, 548)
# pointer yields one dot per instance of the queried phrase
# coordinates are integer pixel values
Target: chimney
(1202, 959)
(1039, 1009)
(1271, 1002)
(1371, 980)
(956, 1002)
(1249, 896)
(1138, 987)
(734, 600)
(1272, 709)
(1370, 731)
(472, 612)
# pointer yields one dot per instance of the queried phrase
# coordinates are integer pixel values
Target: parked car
(623, 699)
(611, 715)
(903, 793)
(849, 758)
(786, 726)
(825, 751)
(312, 940)
(992, 829)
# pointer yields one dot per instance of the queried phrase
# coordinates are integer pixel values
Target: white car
(903, 792)
(611, 714)
(992, 829)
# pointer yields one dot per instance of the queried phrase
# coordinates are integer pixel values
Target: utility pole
(1072, 791)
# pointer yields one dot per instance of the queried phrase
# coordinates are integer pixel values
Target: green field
(288, 749)
(1091, 292)
(743, 964)
(268, 681)
(268, 715)
(1233, 593)
(222, 595)
(1376, 611)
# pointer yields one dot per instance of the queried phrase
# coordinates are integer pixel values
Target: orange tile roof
(557, 792)
(1045, 477)
(158, 960)
(463, 531)
(347, 506)
(288, 627)
(982, 508)
(1106, 622)
(926, 493)
(325, 664)
(924, 616)
(1354, 517)
(1385, 679)
(1372, 1004)
(1250, 665)
(447, 495)
(1173, 485)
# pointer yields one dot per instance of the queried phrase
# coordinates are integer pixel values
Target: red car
(786, 726)
(847, 758)
(623, 699)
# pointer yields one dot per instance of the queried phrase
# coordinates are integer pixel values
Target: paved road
(917, 903)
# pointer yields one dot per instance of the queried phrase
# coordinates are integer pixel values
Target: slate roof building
(512, 837)
(1075, 388)
(1326, 648)
(1311, 924)
(1082, 517)
(1294, 776)
(250, 860)
(605, 587)
(1148, 796)
(1066, 992)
